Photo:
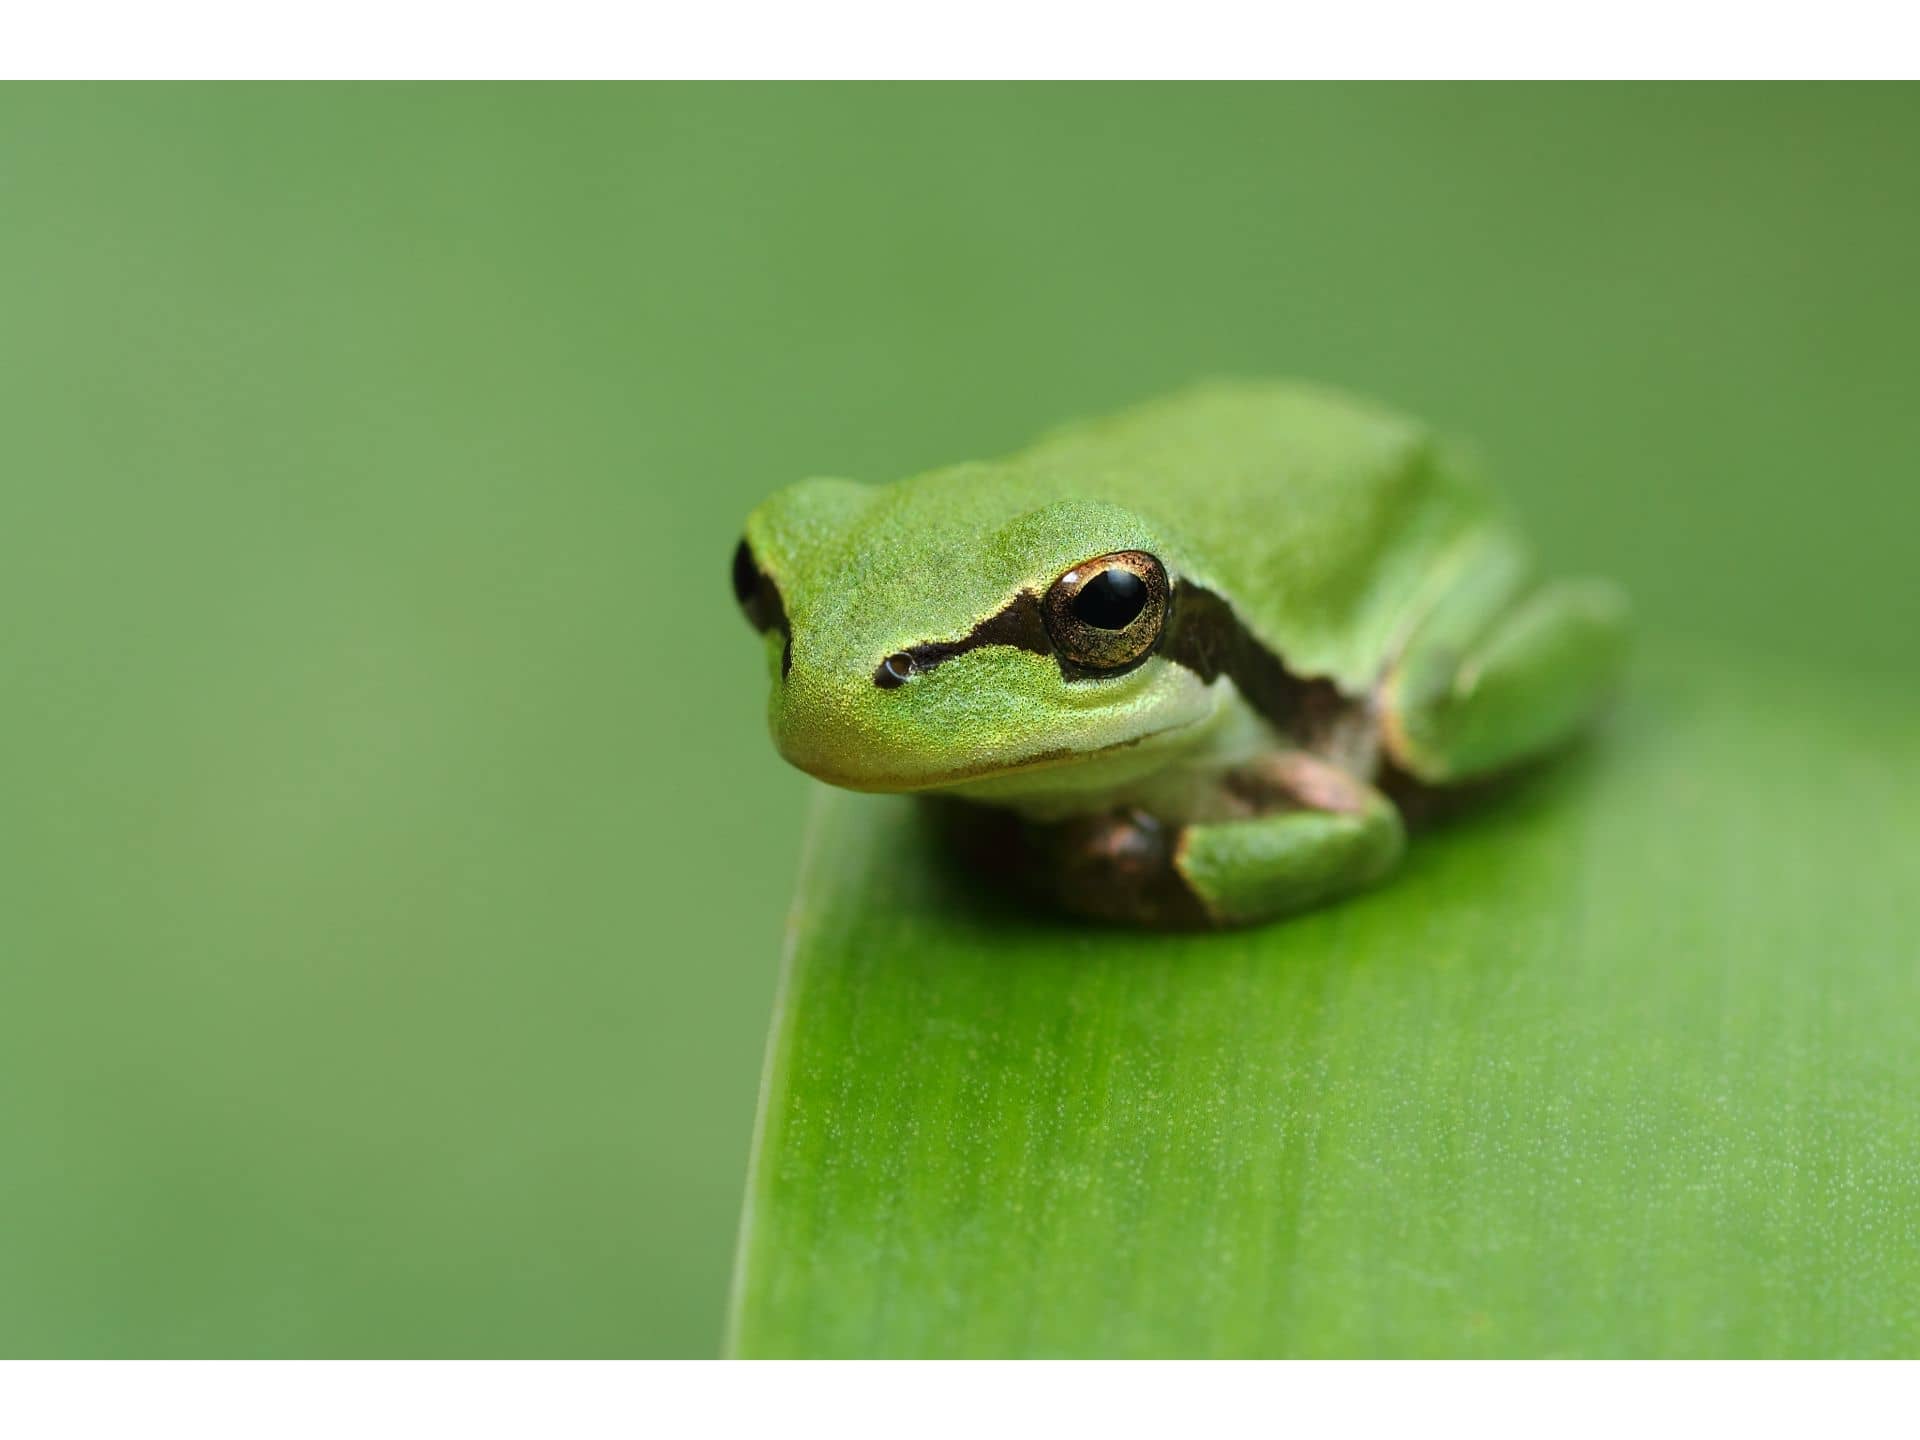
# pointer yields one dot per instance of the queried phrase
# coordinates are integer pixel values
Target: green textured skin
(1347, 540)
(1322, 519)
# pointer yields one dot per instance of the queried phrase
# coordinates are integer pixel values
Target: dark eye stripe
(1098, 607)
(1203, 635)
(1019, 625)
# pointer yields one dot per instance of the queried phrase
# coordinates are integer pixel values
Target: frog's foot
(1473, 698)
(1304, 832)
(1324, 835)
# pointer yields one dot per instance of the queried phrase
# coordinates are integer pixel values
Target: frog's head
(972, 624)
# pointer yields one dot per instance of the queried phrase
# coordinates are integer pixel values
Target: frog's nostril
(786, 656)
(894, 671)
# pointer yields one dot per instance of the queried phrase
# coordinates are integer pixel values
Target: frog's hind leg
(1503, 669)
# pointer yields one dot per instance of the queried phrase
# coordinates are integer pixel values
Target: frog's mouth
(984, 719)
(879, 783)
(1087, 770)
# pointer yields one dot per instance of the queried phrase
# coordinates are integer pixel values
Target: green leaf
(1624, 1062)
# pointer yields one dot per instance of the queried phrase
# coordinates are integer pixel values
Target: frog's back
(1325, 520)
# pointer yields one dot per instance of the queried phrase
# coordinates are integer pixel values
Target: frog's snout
(832, 723)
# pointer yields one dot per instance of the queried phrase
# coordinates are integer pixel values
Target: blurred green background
(395, 862)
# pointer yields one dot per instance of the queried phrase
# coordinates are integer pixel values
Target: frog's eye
(1107, 613)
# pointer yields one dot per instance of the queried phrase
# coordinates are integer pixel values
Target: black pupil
(746, 575)
(1111, 600)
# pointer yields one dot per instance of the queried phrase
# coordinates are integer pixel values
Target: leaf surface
(1623, 1062)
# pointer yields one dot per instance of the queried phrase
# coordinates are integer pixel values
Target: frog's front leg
(1306, 832)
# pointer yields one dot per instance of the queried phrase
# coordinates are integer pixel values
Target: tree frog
(1182, 649)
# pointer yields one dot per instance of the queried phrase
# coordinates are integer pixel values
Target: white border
(1000, 39)
(931, 1401)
